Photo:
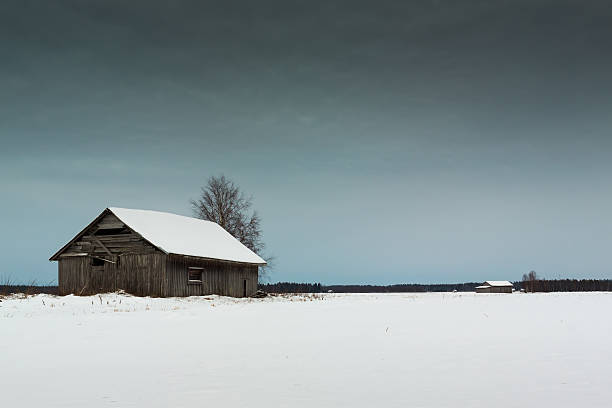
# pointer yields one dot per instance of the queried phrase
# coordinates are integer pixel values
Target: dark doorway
(244, 286)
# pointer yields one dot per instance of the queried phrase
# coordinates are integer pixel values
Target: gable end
(106, 236)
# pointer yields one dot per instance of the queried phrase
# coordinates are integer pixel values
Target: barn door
(244, 288)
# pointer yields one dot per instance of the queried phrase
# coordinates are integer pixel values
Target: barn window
(194, 275)
(97, 262)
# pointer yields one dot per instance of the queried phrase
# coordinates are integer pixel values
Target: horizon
(419, 142)
(10, 283)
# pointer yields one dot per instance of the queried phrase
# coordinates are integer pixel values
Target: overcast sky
(383, 141)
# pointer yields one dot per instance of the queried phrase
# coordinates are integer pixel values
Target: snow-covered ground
(362, 350)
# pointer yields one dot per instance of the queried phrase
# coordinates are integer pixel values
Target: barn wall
(221, 278)
(155, 275)
(141, 275)
(134, 265)
(109, 237)
(495, 289)
(73, 275)
(501, 289)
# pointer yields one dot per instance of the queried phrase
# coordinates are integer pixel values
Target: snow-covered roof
(482, 287)
(177, 234)
(497, 283)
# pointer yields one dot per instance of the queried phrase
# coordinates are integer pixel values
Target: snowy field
(362, 350)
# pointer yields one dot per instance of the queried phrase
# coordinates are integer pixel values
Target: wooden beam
(55, 256)
(102, 245)
(103, 259)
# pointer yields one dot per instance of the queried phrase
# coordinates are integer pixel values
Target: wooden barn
(151, 253)
(495, 287)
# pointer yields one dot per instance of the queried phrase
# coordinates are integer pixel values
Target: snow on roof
(498, 283)
(482, 287)
(177, 234)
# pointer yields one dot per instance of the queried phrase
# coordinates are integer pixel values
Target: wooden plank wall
(73, 275)
(95, 241)
(135, 265)
(221, 278)
(141, 275)
(155, 275)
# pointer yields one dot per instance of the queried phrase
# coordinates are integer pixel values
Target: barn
(152, 253)
(495, 287)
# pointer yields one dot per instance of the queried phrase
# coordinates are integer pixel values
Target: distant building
(495, 287)
(151, 253)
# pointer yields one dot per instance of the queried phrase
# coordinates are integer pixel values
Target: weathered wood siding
(221, 278)
(73, 275)
(141, 275)
(495, 289)
(109, 236)
(155, 275)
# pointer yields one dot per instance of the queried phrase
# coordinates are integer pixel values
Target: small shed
(495, 287)
(152, 253)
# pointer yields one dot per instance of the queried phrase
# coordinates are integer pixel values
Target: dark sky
(383, 141)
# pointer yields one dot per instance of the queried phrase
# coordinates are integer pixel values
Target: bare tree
(529, 281)
(221, 201)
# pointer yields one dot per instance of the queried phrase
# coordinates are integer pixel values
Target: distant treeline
(293, 287)
(567, 285)
(540, 285)
(27, 289)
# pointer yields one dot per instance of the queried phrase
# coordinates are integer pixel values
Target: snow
(182, 235)
(331, 350)
(498, 283)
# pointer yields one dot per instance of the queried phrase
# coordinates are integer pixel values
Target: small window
(194, 275)
(97, 262)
